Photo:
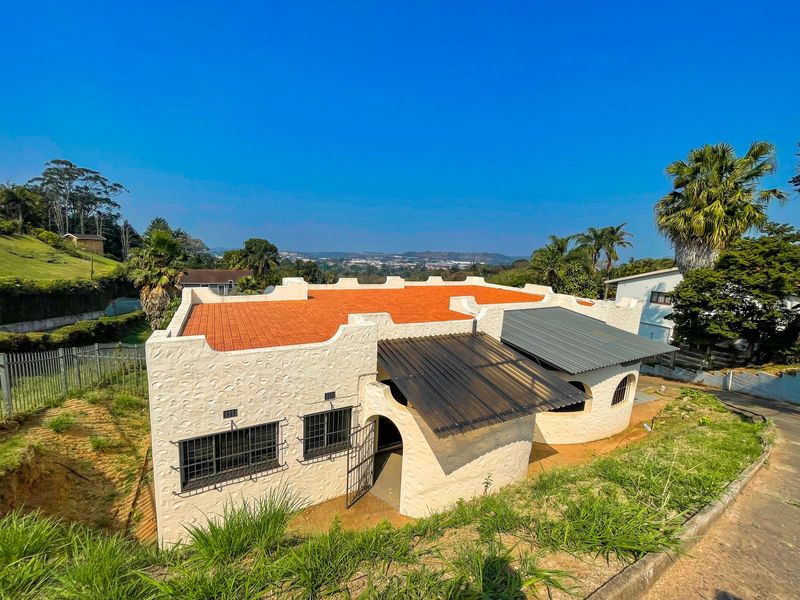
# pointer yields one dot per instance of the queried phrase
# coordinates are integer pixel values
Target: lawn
(28, 258)
(138, 334)
(558, 535)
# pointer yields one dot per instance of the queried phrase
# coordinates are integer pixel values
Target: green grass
(60, 423)
(12, 452)
(100, 443)
(138, 334)
(28, 258)
(618, 507)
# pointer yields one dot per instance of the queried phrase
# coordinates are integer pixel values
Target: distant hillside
(28, 258)
(489, 258)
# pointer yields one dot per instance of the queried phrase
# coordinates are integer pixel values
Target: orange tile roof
(244, 325)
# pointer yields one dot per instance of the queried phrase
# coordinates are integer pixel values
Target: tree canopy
(747, 295)
(715, 200)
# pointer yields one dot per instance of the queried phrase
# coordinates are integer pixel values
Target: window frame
(330, 435)
(623, 386)
(251, 454)
(661, 297)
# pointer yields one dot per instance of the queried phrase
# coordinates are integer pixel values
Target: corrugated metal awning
(573, 342)
(462, 382)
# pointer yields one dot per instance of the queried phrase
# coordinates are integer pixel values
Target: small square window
(230, 413)
(330, 395)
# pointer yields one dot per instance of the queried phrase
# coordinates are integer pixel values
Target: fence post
(77, 361)
(5, 385)
(62, 359)
(97, 359)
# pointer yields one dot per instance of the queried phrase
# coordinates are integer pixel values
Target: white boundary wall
(191, 384)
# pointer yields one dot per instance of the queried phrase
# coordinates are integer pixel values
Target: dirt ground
(62, 475)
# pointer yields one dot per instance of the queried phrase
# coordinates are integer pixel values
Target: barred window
(223, 456)
(622, 391)
(660, 297)
(326, 432)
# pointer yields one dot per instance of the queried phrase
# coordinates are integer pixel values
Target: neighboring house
(653, 289)
(88, 241)
(220, 281)
(418, 391)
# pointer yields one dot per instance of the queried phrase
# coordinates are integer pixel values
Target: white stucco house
(421, 391)
(653, 290)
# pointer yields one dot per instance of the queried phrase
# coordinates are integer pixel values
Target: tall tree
(614, 238)
(259, 255)
(156, 267)
(746, 296)
(594, 240)
(715, 200)
(75, 193)
(20, 204)
(795, 181)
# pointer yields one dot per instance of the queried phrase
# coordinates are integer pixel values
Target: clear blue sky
(365, 126)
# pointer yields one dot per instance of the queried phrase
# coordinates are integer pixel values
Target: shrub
(82, 333)
(60, 423)
(7, 227)
(30, 300)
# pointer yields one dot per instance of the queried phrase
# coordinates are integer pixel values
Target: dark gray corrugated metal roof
(461, 382)
(573, 342)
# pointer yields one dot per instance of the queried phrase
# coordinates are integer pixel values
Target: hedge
(29, 300)
(82, 333)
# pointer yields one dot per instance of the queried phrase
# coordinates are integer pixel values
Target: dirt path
(753, 551)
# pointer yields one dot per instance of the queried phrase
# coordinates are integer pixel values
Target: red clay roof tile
(245, 325)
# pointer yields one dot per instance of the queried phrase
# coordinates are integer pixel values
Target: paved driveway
(753, 550)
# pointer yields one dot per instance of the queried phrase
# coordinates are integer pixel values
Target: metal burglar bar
(360, 462)
(327, 432)
(620, 392)
(211, 459)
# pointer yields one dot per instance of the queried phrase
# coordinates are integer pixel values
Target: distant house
(220, 281)
(654, 290)
(90, 242)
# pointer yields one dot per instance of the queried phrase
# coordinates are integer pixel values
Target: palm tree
(156, 269)
(594, 241)
(613, 238)
(714, 200)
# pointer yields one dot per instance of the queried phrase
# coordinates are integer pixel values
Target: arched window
(621, 393)
(578, 406)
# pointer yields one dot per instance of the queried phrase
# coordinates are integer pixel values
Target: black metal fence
(29, 380)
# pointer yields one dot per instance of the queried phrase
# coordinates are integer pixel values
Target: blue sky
(411, 126)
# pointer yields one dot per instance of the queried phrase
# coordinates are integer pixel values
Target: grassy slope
(607, 512)
(28, 258)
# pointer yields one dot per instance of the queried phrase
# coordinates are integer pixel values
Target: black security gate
(360, 462)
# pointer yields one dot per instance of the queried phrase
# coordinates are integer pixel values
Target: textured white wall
(191, 384)
(599, 419)
(437, 472)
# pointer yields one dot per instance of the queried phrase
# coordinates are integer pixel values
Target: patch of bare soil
(65, 476)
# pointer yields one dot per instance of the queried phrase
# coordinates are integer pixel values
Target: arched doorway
(388, 462)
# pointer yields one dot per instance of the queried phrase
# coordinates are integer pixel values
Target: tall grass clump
(324, 563)
(258, 527)
(102, 567)
(28, 542)
(230, 583)
(60, 423)
(490, 571)
(605, 525)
